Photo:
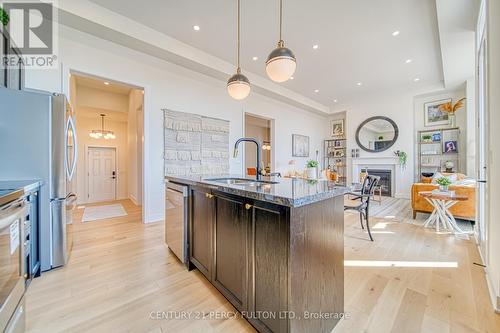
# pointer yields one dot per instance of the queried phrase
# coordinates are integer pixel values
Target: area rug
(94, 213)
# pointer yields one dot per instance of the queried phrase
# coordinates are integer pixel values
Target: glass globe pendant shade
(238, 86)
(281, 63)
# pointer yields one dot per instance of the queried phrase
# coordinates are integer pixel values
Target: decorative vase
(452, 119)
(443, 188)
(311, 173)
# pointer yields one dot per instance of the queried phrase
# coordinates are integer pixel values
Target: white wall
(461, 122)
(493, 266)
(134, 131)
(85, 124)
(170, 86)
(471, 111)
(398, 107)
(96, 98)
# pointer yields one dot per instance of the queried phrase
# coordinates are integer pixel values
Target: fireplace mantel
(381, 163)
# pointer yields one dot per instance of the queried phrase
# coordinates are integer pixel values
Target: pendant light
(102, 133)
(281, 63)
(238, 85)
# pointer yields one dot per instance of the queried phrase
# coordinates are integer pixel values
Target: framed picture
(338, 127)
(436, 137)
(450, 147)
(300, 145)
(433, 116)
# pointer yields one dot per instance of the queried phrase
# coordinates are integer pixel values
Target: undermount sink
(240, 181)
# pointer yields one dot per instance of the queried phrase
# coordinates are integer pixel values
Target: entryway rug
(94, 213)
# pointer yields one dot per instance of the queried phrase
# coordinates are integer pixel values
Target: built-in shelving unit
(335, 155)
(437, 147)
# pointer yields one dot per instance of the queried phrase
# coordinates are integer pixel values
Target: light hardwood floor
(120, 272)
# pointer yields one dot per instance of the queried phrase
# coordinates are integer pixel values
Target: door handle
(482, 181)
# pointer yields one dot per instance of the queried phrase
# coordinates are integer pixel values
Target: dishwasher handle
(182, 189)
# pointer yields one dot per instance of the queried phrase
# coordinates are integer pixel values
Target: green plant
(381, 137)
(403, 158)
(443, 181)
(426, 137)
(4, 17)
(312, 164)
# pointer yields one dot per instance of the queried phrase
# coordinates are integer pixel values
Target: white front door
(101, 174)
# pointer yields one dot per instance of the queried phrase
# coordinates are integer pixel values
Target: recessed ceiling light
(395, 33)
(408, 61)
(335, 101)
(106, 83)
(291, 77)
(359, 84)
(255, 58)
(315, 46)
(316, 90)
(196, 27)
(416, 79)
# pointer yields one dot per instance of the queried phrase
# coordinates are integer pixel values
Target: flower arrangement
(451, 108)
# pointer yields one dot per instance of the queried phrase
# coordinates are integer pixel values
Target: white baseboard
(495, 299)
(154, 218)
(133, 199)
(402, 196)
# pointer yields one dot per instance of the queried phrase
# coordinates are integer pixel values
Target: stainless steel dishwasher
(176, 220)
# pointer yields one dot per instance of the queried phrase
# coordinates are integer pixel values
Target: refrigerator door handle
(71, 127)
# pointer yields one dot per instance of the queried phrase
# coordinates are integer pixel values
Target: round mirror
(377, 134)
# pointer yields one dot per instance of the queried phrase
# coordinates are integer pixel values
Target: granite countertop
(26, 185)
(291, 192)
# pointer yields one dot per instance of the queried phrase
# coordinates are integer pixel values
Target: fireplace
(385, 180)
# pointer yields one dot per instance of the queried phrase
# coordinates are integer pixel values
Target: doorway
(110, 127)
(261, 129)
(101, 174)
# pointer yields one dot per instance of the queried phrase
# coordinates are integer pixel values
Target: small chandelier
(102, 133)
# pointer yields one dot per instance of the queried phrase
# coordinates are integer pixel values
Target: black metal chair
(364, 195)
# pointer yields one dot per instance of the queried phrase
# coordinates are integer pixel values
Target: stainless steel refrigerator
(38, 141)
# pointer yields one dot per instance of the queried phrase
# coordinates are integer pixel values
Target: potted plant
(381, 138)
(426, 138)
(312, 169)
(4, 17)
(444, 183)
(403, 158)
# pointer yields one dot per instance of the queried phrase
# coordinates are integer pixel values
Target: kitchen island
(273, 248)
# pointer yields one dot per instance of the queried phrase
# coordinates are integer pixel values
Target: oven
(12, 264)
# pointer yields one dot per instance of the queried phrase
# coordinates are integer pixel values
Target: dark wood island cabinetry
(281, 265)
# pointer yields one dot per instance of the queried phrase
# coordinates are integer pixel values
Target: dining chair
(364, 195)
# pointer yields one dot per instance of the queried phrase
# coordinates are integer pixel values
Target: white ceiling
(354, 37)
(99, 84)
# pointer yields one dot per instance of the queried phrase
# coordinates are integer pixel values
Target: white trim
(382, 163)
(133, 199)
(147, 105)
(155, 218)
